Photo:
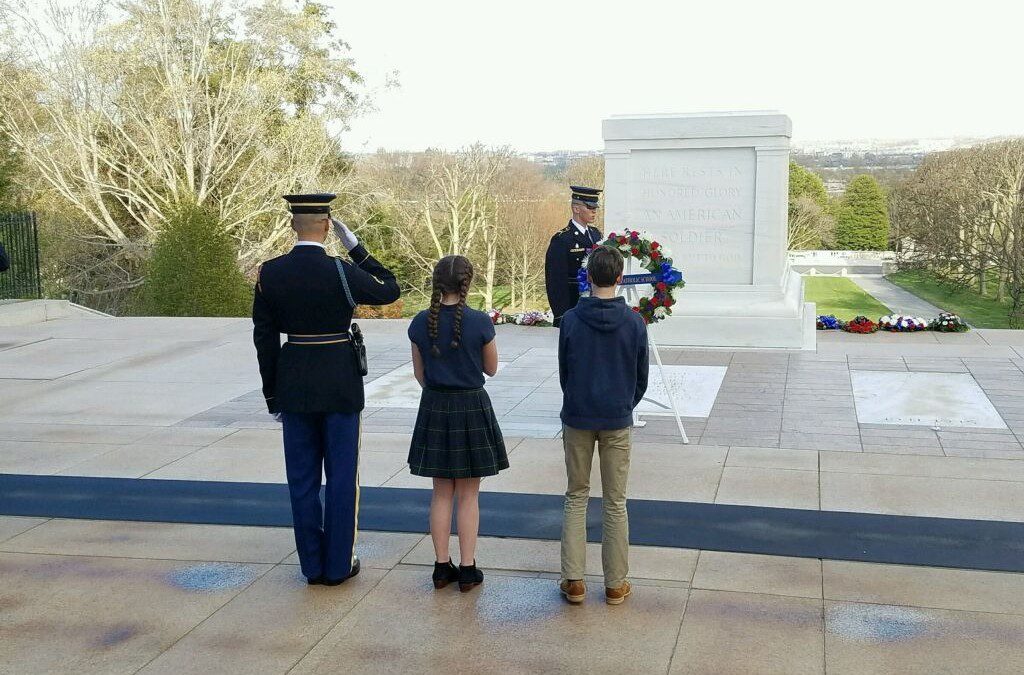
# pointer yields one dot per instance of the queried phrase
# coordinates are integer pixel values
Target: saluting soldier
(567, 249)
(313, 384)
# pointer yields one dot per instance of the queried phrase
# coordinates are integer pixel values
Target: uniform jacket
(564, 258)
(300, 293)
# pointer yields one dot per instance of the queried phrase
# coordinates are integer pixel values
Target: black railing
(19, 236)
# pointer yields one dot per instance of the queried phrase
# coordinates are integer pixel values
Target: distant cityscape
(835, 160)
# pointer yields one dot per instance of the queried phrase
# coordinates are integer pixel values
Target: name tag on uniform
(577, 250)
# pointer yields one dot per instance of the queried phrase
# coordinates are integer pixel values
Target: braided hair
(452, 274)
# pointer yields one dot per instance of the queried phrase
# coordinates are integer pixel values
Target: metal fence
(19, 235)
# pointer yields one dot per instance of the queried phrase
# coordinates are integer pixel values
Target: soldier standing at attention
(313, 383)
(567, 249)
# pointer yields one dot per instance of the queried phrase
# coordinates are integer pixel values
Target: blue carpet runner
(911, 540)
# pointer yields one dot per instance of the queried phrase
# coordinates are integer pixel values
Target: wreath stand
(629, 283)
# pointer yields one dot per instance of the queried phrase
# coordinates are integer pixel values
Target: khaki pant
(613, 449)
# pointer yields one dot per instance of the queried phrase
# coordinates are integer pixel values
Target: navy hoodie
(602, 364)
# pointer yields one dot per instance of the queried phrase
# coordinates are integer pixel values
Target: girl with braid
(456, 441)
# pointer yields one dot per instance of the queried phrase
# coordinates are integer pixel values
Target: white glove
(348, 240)
(276, 416)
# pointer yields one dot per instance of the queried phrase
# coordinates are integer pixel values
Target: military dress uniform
(566, 251)
(314, 381)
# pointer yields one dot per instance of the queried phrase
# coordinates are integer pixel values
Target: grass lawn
(841, 297)
(978, 310)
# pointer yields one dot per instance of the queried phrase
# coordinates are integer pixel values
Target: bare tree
(125, 114)
(445, 204)
(963, 212)
(809, 224)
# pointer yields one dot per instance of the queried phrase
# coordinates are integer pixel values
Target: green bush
(805, 183)
(862, 223)
(193, 269)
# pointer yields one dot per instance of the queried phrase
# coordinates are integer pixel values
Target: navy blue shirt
(461, 368)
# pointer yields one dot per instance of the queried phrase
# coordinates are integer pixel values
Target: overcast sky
(541, 75)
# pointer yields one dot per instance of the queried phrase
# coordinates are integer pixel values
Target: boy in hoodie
(602, 364)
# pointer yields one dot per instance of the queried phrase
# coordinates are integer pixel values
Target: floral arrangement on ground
(652, 257)
(530, 318)
(861, 324)
(830, 322)
(895, 323)
(949, 323)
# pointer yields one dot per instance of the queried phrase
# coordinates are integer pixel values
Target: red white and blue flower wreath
(662, 277)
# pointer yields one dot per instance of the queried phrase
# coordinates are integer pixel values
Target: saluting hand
(348, 240)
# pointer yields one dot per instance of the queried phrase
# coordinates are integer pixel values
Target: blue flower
(670, 276)
(581, 279)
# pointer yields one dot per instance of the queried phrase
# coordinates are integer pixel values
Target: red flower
(655, 255)
(634, 235)
(622, 240)
(669, 302)
(655, 246)
(654, 301)
(661, 286)
(636, 309)
(634, 250)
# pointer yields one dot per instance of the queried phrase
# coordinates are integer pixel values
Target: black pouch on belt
(359, 349)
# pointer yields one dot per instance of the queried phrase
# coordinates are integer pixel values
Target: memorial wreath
(652, 256)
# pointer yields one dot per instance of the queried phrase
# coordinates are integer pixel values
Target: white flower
(645, 261)
(660, 312)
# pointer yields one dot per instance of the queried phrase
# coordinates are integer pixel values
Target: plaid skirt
(456, 436)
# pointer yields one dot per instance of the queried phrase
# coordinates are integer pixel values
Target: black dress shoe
(469, 577)
(336, 582)
(445, 573)
(315, 581)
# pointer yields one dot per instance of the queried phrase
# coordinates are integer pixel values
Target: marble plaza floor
(901, 425)
(114, 597)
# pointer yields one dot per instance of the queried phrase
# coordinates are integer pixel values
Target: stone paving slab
(105, 614)
(892, 639)
(527, 608)
(193, 412)
(703, 611)
(748, 633)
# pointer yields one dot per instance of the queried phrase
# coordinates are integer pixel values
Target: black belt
(324, 339)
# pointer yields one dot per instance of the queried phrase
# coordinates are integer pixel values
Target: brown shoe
(615, 596)
(574, 591)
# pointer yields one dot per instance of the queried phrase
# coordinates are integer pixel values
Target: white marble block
(713, 188)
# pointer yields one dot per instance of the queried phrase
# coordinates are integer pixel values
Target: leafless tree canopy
(961, 214)
(122, 112)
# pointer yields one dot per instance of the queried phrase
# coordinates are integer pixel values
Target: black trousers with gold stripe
(318, 444)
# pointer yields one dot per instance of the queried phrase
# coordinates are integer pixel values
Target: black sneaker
(445, 573)
(469, 577)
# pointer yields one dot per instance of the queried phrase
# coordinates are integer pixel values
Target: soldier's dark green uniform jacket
(564, 258)
(300, 294)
